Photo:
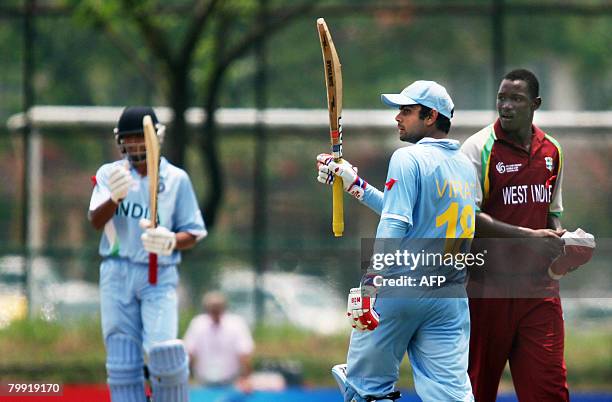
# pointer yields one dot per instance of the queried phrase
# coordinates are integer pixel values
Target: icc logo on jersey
(501, 168)
(507, 168)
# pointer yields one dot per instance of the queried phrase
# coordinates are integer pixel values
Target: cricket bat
(333, 82)
(152, 146)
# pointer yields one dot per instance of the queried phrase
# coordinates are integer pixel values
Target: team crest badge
(549, 163)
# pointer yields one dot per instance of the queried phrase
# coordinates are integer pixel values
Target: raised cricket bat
(152, 146)
(333, 82)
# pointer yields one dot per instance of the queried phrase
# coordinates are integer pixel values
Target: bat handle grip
(338, 208)
(152, 268)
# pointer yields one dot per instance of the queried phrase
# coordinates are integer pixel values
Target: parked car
(304, 301)
(51, 296)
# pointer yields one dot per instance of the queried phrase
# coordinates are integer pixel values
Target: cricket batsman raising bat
(411, 209)
(147, 208)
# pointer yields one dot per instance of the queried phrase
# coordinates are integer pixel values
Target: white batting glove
(159, 240)
(360, 309)
(351, 182)
(119, 183)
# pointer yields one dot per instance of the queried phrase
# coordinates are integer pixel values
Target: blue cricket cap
(426, 93)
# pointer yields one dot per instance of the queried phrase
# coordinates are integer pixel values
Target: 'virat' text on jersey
(455, 188)
(434, 192)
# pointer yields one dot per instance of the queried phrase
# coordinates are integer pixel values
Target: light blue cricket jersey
(429, 194)
(177, 210)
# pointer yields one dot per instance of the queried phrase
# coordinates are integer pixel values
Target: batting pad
(124, 365)
(169, 369)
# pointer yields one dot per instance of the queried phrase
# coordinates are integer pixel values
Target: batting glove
(360, 309)
(119, 183)
(159, 240)
(351, 182)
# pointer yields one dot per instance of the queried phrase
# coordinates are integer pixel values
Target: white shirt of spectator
(217, 348)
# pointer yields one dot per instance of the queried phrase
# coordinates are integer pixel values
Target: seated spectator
(220, 345)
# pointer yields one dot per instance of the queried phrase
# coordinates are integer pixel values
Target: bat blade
(153, 155)
(333, 83)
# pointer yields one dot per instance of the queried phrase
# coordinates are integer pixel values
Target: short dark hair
(525, 75)
(443, 123)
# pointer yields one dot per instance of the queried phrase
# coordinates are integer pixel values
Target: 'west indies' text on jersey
(519, 186)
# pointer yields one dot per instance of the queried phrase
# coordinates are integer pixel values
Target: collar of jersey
(445, 142)
(536, 139)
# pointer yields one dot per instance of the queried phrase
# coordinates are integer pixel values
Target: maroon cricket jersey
(520, 187)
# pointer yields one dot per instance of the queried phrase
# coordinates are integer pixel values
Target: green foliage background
(77, 64)
(381, 51)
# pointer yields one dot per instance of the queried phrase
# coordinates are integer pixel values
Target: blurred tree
(191, 52)
(226, 31)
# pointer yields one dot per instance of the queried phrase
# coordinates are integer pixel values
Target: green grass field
(74, 353)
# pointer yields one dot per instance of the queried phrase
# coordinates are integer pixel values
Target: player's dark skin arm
(99, 216)
(489, 227)
(185, 240)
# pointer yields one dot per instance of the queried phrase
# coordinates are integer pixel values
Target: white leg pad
(124, 366)
(169, 370)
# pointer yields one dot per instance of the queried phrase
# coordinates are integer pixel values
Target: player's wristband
(553, 276)
(357, 189)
